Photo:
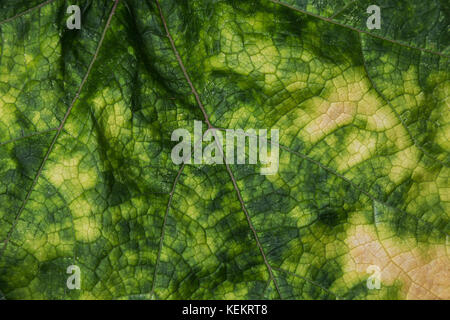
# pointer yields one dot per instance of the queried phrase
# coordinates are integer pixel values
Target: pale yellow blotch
(132, 257)
(80, 207)
(239, 291)
(47, 246)
(198, 184)
(217, 62)
(443, 133)
(28, 58)
(9, 98)
(35, 244)
(261, 55)
(98, 102)
(403, 163)
(378, 114)
(423, 271)
(87, 179)
(87, 295)
(302, 216)
(348, 94)
(388, 68)
(226, 34)
(307, 56)
(13, 93)
(444, 189)
(49, 45)
(71, 169)
(56, 175)
(296, 86)
(328, 116)
(86, 229)
(410, 81)
(270, 80)
(360, 148)
(399, 137)
(192, 211)
(294, 81)
(257, 21)
(444, 194)
(236, 44)
(117, 119)
(7, 113)
(36, 117)
(383, 119)
(4, 75)
(267, 57)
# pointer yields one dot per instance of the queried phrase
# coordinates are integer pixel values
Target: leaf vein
(27, 136)
(161, 239)
(366, 69)
(59, 130)
(358, 30)
(39, 6)
(210, 126)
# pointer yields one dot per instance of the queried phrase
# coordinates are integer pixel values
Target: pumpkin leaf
(359, 207)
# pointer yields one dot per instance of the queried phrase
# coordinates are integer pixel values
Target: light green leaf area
(86, 176)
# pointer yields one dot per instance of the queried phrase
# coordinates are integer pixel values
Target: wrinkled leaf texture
(86, 176)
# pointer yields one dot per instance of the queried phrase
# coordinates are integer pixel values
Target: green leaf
(86, 176)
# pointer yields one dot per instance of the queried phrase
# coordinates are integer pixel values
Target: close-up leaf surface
(87, 179)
